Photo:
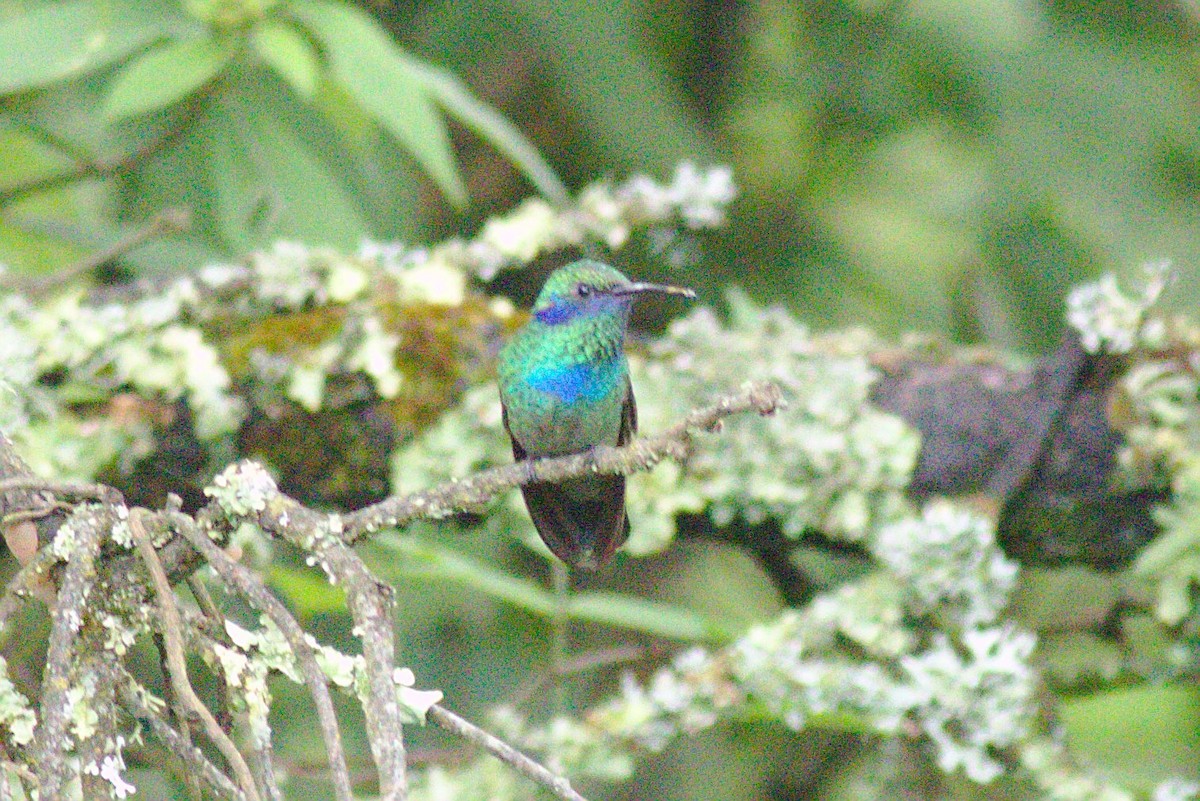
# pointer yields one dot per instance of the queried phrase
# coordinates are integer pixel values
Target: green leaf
(308, 593)
(288, 53)
(650, 617)
(383, 80)
(1140, 735)
(60, 40)
(164, 76)
(431, 562)
(270, 182)
(493, 127)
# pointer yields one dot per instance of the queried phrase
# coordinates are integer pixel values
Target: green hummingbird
(564, 389)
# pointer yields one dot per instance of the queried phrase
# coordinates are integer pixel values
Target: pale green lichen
(242, 490)
(292, 276)
(483, 779)
(414, 703)
(285, 326)
(108, 346)
(1172, 561)
(1176, 789)
(307, 372)
(1161, 421)
(855, 655)
(266, 648)
(695, 199)
(15, 713)
(64, 543)
(249, 676)
(975, 697)
(85, 720)
(111, 768)
(19, 394)
(1111, 321)
(119, 635)
(522, 233)
(1060, 778)
(341, 669)
(566, 745)
(829, 460)
(375, 356)
(947, 559)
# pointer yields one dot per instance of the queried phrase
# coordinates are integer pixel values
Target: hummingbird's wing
(581, 520)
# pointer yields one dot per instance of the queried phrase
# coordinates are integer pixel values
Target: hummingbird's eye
(583, 290)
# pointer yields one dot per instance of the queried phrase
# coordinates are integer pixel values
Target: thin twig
(172, 629)
(86, 167)
(641, 454)
(592, 660)
(134, 697)
(164, 223)
(214, 622)
(191, 780)
(559, 785)
(560, 643)
(245, 581)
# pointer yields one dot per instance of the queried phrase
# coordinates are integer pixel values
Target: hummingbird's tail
(582, 520)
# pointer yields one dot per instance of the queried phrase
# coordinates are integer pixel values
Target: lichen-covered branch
(246, 495)
(79, 542)
(241, 579)
(924, 632)
(136, 699)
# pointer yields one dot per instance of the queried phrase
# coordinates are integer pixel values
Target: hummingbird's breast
(556, 409)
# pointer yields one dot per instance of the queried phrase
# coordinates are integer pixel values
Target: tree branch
(240, 578)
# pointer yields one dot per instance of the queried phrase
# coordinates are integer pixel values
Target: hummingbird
(565, 389)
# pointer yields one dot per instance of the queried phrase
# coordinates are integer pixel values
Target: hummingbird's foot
(593, 456)
(529, 470)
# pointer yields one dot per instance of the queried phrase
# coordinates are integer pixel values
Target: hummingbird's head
(589, 288)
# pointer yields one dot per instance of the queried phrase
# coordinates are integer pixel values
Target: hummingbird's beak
(637, 287)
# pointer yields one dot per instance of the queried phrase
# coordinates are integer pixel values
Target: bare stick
(559, 785)
(134, 697)
(74, 489)
(164, 223)
(172, 629)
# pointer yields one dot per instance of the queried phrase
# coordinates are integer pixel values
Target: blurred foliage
(950, 166)
(947, 165)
